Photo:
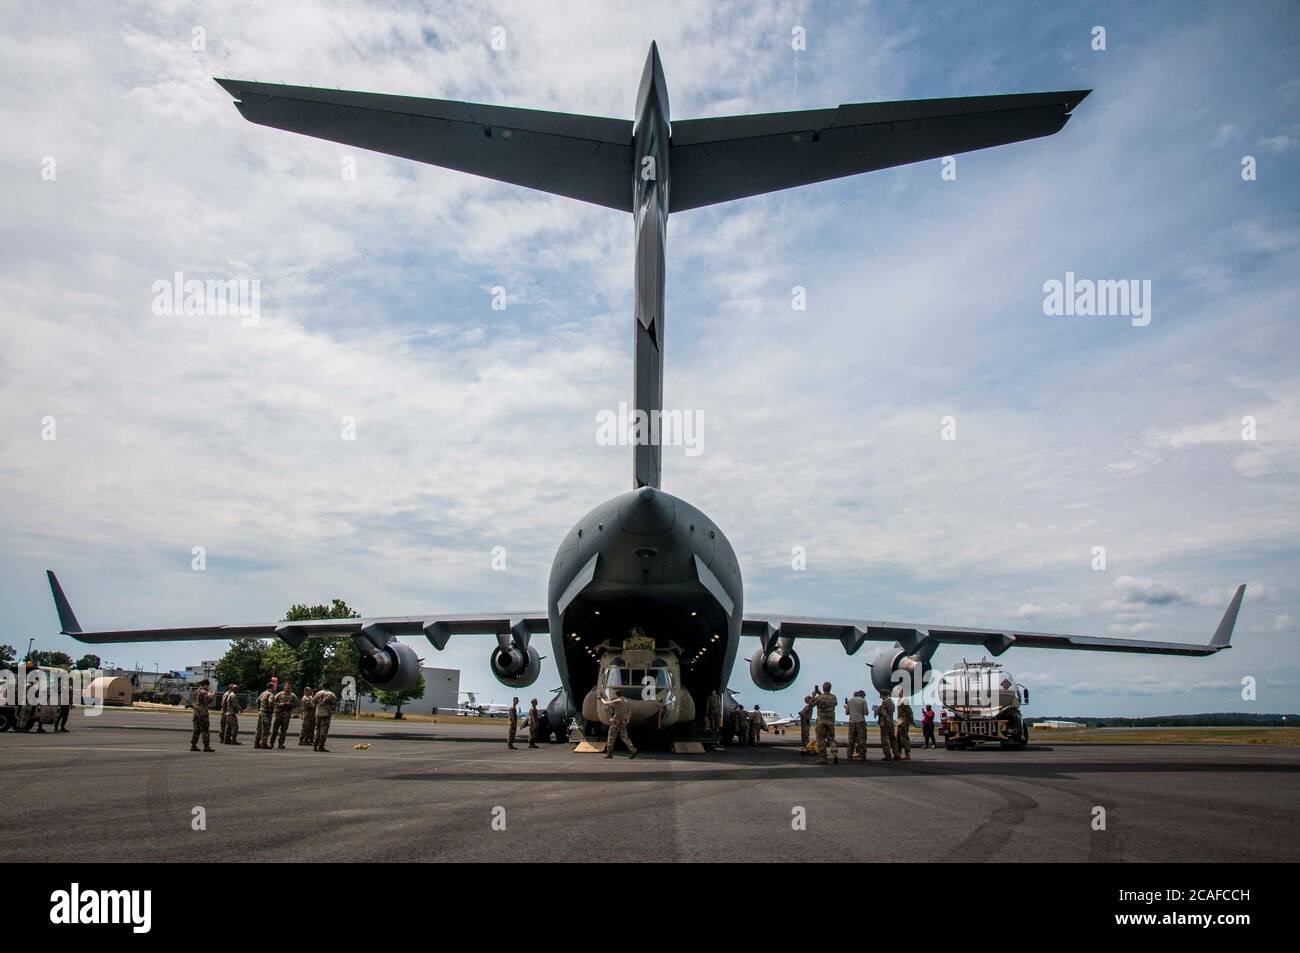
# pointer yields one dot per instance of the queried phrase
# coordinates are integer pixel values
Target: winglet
(68, 624)
(1223, 634)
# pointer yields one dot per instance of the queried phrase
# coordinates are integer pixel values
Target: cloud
(475, 427)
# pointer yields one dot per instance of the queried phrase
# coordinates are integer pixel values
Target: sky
(123, 163)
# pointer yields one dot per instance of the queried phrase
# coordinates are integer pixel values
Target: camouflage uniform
(740, 719)
(265, 704)
(514, 726)
(307, 734)
(905, 722)
(805, 724)
(201, 699)
(284, 702)
(826, 703)
(230, 709)
(885, 721)
(619, 712)
(713, 714)
(325, 700)
(756, 726)
(532, 725)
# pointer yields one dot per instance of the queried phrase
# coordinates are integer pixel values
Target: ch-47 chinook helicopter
(648, 560)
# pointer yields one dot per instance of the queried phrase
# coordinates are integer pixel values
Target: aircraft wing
(582, 157)
(717, 160)
(914, 637)
(437, 628)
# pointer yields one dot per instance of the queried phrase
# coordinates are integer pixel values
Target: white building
(441, 689)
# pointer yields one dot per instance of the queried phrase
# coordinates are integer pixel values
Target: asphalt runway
(125, 787)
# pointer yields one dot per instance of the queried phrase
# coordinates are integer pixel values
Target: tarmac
(124, 786)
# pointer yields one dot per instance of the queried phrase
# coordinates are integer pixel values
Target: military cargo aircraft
(647, 560)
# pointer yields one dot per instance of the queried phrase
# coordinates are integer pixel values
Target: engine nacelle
(515, 667)
(896, 672)
(392, 667)
(774, 670)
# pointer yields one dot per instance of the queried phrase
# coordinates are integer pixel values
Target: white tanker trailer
(982, 703)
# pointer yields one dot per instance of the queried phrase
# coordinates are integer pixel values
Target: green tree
(327, 661)
(242, 664)
(52, 659)
(89, 661)
(317, 662)
(8, 653)
(398, 699)
(281, 661)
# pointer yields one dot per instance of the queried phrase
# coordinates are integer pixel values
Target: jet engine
(392, 667)
(516, 667)
(894, 671)
(776, 669)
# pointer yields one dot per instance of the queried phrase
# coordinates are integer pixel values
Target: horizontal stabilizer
(717, 160)
(581, 157)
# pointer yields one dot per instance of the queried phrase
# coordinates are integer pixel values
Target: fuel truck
(982, 702)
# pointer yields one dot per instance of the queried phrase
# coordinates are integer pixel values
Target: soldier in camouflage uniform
(265, 710)
(713, 715)
(740, 721)
(285, 699)
(756, 726)
(805, 722)
(514, 723)
(619, 713)
(201, 699)
(325, 701)
(533, 719)
(230, 709)
(905, 722)
(825, 703)
(307, 734)
(885, 722)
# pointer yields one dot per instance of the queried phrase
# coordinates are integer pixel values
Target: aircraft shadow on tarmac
(1068, 771)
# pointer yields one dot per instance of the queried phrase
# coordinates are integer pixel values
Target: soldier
(713, 714)
(201, 699)
(514, 723)
(307, 734)
(805, 722)
(885, 722)
(619, 712)
(265, 705)
(826, 703)
(64, 710)
(904, 726)
(740, 724)
(856, 710)
(285, 699)
(533, 720)
(230, 709)
(324, 701)
(26, 715)
(756, 725)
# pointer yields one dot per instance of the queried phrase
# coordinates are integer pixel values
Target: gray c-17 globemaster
(645, 591)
